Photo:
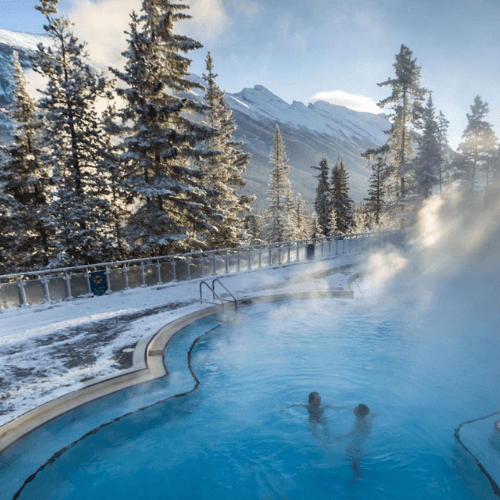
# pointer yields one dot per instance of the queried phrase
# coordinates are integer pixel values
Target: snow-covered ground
(48, 351)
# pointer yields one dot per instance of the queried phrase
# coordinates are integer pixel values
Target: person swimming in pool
(316, 415)
(359, 434)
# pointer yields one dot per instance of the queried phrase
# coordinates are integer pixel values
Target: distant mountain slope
(309, 132)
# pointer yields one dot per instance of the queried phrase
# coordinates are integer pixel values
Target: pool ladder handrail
(215, 295)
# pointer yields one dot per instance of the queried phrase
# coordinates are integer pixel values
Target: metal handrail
(223, 286)
(214, 294)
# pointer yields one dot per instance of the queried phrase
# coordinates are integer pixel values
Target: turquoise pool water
(228, 439)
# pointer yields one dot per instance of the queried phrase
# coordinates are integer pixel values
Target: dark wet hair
(361, 410)
(313, 395)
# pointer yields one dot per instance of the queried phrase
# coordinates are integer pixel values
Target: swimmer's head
(314, 398)
(361, 410)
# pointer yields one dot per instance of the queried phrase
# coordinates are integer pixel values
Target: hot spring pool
(228, 440)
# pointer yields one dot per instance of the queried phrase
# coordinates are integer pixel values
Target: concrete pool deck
(146, 361)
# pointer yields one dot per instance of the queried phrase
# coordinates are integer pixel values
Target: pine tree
(428, 160)
(375, 201)
(160, 138)
(302, 222)
(291, 217)
(222, 170)
(254, 225)
(407, 111)
(332, 229)
(119, 209)
(73, 145)
(23, 178)
(442, 169)
(278, 211)
(316, 231)
(478, 144)
(322, 201)
(361, 221)
(339, 196)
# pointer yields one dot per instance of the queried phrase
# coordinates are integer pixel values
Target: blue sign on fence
(98, 283)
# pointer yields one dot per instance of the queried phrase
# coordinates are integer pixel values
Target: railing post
(1, 306)
(226, 258)
(22, 292)
(288, 252)
(143, 276)
(297, 248)
(202, 262)
(188, 259)
(249, 259)
(279, 255)
(67, 279)
(270, 256)
(87, 275)
(260, 257)
(46, 292)
(215, 264)
(108, 281)
(125, 275)
(238, 261)
(158, 272)
(174, 276)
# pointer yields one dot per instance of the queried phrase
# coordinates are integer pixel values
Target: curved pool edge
(148, 363)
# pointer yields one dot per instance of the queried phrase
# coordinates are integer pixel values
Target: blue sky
(300, 48)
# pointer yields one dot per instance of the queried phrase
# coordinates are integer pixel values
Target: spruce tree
(322, 201)
(302, 222)
(332, 229)
(375, 201)
(279, 191)
(478, 145)
(23, 178)
(316, 230)
(222, 170)
(159, 145)
(442, 169)
(428, 160)
(339, 196)
(73, 145)
(406, 115)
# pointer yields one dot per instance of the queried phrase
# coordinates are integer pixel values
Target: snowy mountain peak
(22, 41)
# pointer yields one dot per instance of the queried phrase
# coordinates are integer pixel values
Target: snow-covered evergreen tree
(73, 145)
(339, 196)
(302, 221)
(332, 229)
(222, 170)
(160, 138)
(254, 224)
(291, 217)
(443, 166)
(361, 221)
(322, 201)
(406, 114)
(119, 209)
(279, 192)
(427, 163)
(315, 230)
(478, 144)
(375, 201)
(23, 178)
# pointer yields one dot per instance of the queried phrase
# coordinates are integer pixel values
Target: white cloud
(209, 20)
(102, 24)
(351, 101)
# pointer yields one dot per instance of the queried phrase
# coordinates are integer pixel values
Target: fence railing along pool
(54, 285)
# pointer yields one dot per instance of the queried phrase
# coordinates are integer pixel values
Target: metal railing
(55, 285)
